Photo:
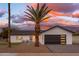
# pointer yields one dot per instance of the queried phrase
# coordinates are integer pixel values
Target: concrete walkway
(63, 48)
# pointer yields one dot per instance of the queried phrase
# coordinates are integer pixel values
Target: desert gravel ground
(24, 48)
(43, 50)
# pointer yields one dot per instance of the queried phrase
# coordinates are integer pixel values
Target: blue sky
(17, 9)
(4, 6)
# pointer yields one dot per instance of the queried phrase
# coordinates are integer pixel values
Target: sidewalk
(48, 54)
(39, 54)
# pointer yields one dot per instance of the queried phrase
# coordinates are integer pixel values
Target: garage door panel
(52, 39)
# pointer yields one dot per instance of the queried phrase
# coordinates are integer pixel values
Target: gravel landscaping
(24, 48)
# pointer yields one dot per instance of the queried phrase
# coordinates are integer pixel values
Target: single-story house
(55, 35)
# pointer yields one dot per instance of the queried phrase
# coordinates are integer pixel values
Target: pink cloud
(61, 7)
(3, 23)
(76, 14)
(63, 20)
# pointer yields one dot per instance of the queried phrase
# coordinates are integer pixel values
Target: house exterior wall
(19, 38)
(54, 31)
(57, 31)
(40, 39)
(75, 39)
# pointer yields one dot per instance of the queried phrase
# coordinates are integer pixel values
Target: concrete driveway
(63, 48)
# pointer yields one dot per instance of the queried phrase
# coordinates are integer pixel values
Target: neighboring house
(54, 35)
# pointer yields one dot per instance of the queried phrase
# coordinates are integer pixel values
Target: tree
(37, 15)
(4, 34)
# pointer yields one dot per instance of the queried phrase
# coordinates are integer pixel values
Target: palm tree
(9, 42)
(37, 15)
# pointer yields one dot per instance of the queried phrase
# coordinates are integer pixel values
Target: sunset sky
(62, 13)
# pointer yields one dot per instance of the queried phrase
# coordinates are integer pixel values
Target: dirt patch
(24, 48)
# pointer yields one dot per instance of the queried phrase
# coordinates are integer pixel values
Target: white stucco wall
(54, 31)
(40, 39)
(58, 31)
(75, 40)
(19, 38)
(24, 38)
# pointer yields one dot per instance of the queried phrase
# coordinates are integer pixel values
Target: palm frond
(47, 17)
(29, 15)
(42, 8)
(39, 14)
(45, 13)
(37, 9)
(46, 8)
(32, 11)
(30, 18)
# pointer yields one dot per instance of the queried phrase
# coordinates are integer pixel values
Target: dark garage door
(52, 39)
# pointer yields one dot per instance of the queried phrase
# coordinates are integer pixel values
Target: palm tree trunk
(9, 42)
(37, 32)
